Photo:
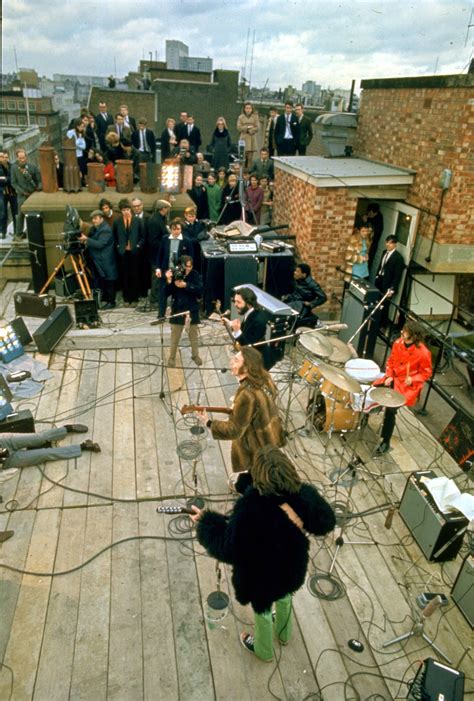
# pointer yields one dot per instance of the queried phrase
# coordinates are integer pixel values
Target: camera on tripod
(72, 231)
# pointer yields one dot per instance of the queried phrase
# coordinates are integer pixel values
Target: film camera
(179, 272)
(72, 231)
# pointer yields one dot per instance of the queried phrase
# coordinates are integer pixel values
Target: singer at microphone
(306, 296)
(184, 285)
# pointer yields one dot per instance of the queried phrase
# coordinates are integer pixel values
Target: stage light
(170, 177)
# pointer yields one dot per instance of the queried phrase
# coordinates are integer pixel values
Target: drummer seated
(306, 295)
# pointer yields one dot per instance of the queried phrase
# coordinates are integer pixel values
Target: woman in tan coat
(254, 421)
(247, 126)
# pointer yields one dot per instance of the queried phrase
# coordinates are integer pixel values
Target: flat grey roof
(348, 172)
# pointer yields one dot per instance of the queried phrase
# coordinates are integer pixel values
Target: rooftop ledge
(343, 172)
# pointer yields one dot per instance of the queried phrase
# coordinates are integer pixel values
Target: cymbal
(387, 397)
(316, 344)
(340, 351)
(339, 378)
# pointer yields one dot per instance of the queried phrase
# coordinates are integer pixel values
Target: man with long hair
(254, 421)
(408, 368)
(265, 540)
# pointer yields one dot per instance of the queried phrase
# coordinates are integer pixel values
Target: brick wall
(322, 219)
(427, 125)
(140, 103)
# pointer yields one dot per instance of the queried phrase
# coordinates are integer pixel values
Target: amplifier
(435, 681)
(86, 313)
(18, 422)
(51, 331)
(30, 304)
(463, 589)
(438, 535)
(66, 285)
(5, 398)
(246, 246)
(37, 249)
(21, 330)
(364, 291)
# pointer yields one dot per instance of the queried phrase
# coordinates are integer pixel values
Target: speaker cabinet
(438, 535)
(21, 331)
(29, 304)
(359, 301)
(238, 270)
(37, 249)
(463, 589)
(18, 422)
(53, 329)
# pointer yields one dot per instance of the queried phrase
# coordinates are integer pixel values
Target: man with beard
(252, 326)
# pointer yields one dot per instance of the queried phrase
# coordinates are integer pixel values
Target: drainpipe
(445, 182)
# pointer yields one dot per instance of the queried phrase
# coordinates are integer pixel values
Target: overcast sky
(295, 40)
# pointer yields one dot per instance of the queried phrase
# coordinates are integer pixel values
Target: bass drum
(333, 410)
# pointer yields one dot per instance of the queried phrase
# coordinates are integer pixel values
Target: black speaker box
(65, 285)
(18, 422)
(463, 589)
(359, 300)
(21, 331)
(30, 304)
(438, 535)
(86, 312)
(51, 331)
(238, 270)
(37, 249)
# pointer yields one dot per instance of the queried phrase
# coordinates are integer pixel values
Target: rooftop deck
(123, 617)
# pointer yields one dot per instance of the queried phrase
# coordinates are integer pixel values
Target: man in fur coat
(254, 421)
(265, 540)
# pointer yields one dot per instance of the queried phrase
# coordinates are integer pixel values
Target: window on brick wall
(12, 119)
(22, 120)
(21, 105)
(42, 121)
(11, 104)
(32, 106)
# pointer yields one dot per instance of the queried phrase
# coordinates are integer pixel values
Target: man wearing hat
(99, 242)
(157, 230)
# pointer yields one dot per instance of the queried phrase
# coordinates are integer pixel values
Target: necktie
(142, 136)
(105, 116)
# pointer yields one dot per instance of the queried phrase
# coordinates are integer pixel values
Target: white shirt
(288, 134)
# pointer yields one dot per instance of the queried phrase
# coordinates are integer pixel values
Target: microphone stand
(161, 321)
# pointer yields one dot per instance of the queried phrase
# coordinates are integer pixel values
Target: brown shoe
(91, 446)
(197, 359)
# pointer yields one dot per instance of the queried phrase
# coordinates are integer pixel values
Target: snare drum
(362, 369)
(309, 372)
(333, 409)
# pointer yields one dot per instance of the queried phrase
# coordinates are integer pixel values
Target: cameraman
(25, 179)
(184, 153)
(185, 287)
(100, 245)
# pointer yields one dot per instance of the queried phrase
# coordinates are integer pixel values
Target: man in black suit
(127, 119)
(139, 213)
(172, 247)
(157, 231)
(270, 131)
(252, 328)
(181, 127)
(287, 131)
(102, 121)
(7, 195)
(144, 141)
(129, 237)
(389, 274)
(192, 134)
(306, 130)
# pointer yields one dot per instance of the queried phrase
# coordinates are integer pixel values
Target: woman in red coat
(408, 368)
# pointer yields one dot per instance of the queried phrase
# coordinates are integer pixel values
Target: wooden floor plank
(101, 467)
(26, 634)
(146, 432)
(124, 484)
(160, 678)
(91, 651)
(125, 673)
(53, 680)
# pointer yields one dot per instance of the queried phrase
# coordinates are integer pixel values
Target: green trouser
(176, 331)
(263, 644)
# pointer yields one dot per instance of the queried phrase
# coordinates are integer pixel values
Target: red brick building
(422, 128)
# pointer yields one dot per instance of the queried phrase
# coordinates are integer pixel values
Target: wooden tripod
(79, 270)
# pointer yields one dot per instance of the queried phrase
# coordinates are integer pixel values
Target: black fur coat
(268, 552)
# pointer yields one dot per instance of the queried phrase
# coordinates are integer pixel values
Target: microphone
(389, 519)
(18, 376)
(431, 607)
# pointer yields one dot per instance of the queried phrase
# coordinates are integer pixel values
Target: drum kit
(341, 385)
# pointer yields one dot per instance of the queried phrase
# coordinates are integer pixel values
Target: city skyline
(327, 42)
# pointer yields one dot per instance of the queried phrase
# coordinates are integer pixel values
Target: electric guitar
(190, 408)
(174, 510)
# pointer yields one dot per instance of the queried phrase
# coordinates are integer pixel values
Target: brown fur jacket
(254, 423)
